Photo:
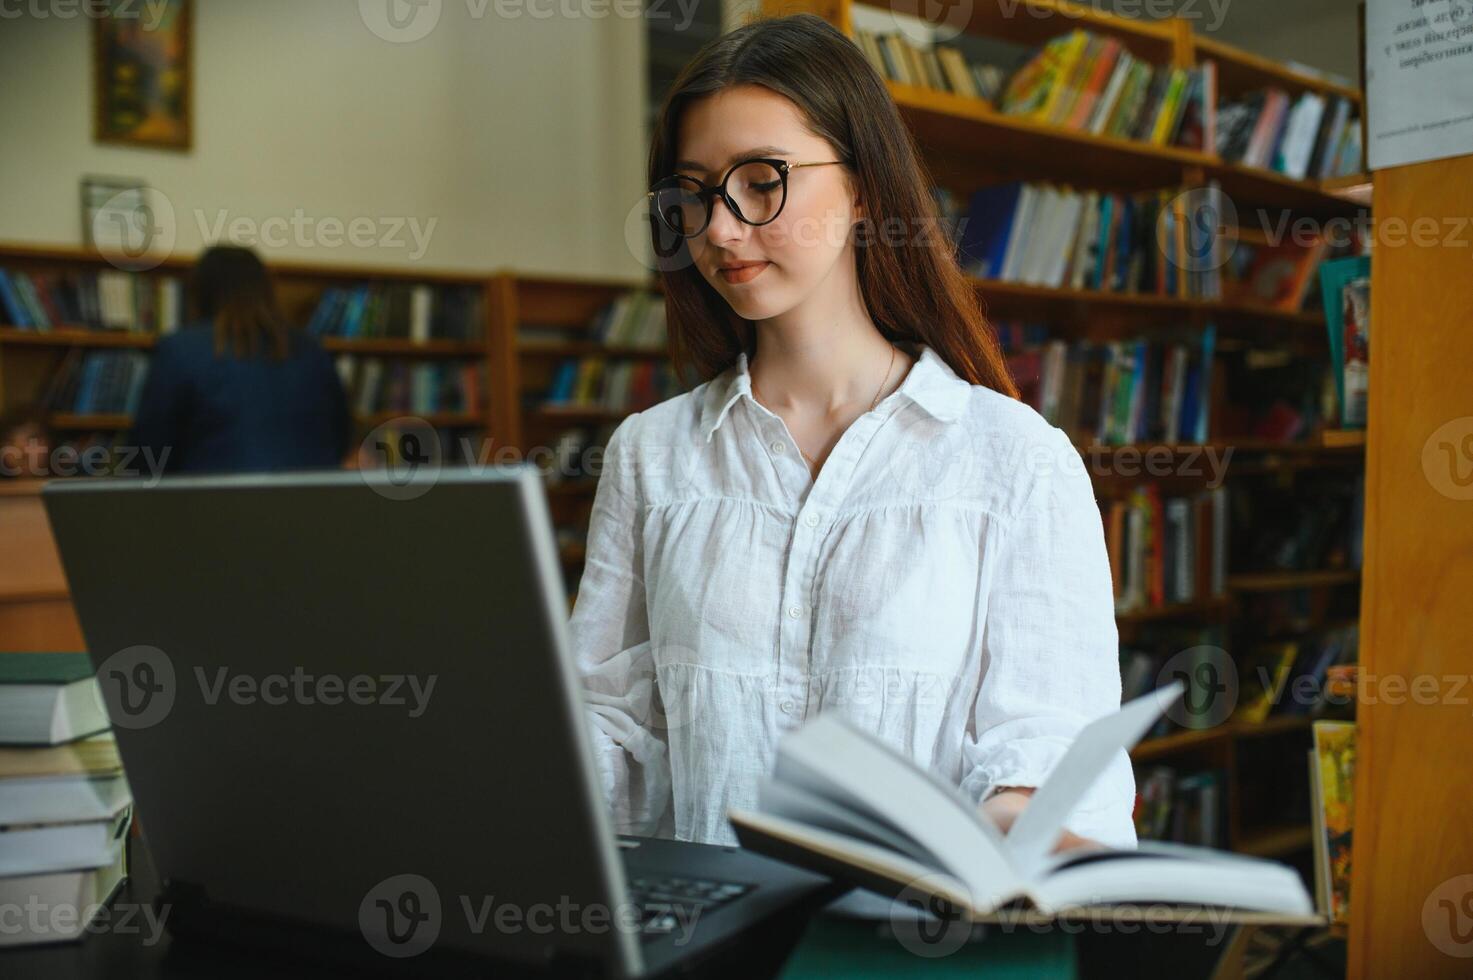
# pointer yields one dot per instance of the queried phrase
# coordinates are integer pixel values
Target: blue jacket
(233, 415)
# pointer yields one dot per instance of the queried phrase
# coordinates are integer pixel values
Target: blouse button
(795, 611)
(786, 707)
(811, 520)
(777, 446)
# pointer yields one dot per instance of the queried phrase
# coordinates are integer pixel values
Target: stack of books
(1290, 677)
(635, 319)
(1332, 794)
(1165, 551)
(595, 382)
(1051, 235)
(939, 66)
(106, 300)
(65, 806)
(1345, 290)
(400, 310)
(1311, 137)
(1115, 392)
(97, 381)
(1277, 275)
(1185, 807)
(1087, 83)
(376, 385)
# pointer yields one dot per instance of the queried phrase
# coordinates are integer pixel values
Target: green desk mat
(835, 946)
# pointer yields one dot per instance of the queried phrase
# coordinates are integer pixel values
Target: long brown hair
(232, 290)
(914, 288)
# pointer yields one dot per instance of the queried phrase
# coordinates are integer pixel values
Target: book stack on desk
(65, 806)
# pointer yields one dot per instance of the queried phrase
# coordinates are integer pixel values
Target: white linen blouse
(943, 583)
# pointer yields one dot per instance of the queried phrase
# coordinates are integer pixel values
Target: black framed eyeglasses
(754, 190)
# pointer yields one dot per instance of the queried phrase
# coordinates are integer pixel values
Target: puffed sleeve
(1050, 657)
(610, 637)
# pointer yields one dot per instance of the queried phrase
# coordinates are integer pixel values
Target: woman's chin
(751, 302)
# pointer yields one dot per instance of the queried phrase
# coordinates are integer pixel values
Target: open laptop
(349, 715)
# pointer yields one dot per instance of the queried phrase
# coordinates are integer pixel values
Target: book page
(832, 759)
(1037, 828)
(796, 803)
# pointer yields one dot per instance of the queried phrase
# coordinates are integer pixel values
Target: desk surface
(831, 946)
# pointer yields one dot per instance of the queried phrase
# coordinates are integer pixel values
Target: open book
(845, 804)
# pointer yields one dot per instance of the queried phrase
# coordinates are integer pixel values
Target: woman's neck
(823, 364)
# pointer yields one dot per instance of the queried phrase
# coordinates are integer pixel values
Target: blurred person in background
(240, 390)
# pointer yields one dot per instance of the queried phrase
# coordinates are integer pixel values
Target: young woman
(852, 512)
(239, 390)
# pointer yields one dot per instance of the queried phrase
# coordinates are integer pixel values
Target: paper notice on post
(1419, 80)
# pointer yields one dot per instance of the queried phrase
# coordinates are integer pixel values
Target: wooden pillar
(1412, 867)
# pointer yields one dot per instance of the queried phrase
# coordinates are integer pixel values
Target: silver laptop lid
(350, 703)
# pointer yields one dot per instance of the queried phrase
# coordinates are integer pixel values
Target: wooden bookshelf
(1276, 842)
(1285, 581)
(586, 348)
(1033, 22)
(1240, 71)
(968, 144)
(1200, 609)
(951, 127)
(28, 356)
(74, 337)
(522, 372)
(66, 422)
(1006, 298)
(1186, 740)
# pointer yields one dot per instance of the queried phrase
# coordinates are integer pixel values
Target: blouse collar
(931, 384)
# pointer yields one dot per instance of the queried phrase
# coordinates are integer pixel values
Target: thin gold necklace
(873, 401)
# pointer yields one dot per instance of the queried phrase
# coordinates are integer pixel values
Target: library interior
(363, 357)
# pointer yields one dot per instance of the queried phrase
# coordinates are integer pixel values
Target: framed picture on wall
(142, 69)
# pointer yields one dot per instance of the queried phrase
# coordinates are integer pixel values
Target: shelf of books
(77, 328)
(576, 356)
(1148, 215)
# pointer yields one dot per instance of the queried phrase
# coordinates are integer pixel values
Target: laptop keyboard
(669, 903)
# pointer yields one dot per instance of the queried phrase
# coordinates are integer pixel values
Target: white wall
(518, 136)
